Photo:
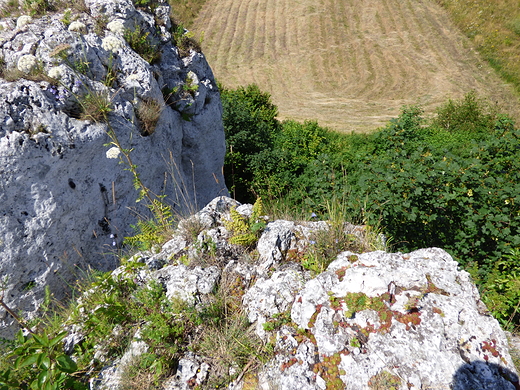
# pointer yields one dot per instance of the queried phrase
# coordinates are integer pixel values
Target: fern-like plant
(246, 231)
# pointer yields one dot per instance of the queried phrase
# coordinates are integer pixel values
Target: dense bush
(250, 125)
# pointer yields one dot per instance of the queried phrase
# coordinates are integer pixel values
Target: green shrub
(38, 362)
(501, 290)
(250, 124)
(451, 182)
(246, 231)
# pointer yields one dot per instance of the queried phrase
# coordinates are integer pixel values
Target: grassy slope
(494, 29)
(350, 64)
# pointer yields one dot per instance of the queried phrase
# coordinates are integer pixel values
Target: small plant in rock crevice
(141, 42)
(148, 113)
(96, 106)
(384, 381)
(66, 19)
(246, 231)
(184, 41)
(189, 85)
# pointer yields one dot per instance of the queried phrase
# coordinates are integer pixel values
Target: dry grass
(148, 113)
(186, 11)
(350, 64)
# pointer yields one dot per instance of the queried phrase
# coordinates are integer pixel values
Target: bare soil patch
(349, 64)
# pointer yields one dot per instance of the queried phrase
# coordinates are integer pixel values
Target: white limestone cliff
(65, 203)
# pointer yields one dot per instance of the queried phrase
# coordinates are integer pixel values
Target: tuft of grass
(100, 25)
(9, 8)
(37, 7)
(228, 340)
(341, 236)
(148, 114)
(96, 106)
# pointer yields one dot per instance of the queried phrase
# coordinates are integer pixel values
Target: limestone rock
(67, 203)
(192, 371)
(412, 320)
(373, 320)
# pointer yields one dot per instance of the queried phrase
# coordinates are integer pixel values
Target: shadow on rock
(481, 375)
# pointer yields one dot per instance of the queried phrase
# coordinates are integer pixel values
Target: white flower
(116, 26)
(111, 43)
(113, 152)
(27, 63)
(55, 72)
(78, 27)
(132, 77)
(23, 21)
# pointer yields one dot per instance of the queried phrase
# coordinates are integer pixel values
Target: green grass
(494, 29)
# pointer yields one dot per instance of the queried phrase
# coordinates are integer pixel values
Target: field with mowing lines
(350, 64)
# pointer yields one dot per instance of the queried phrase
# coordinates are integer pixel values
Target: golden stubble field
(349, 64)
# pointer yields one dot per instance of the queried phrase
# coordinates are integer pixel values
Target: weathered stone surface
(65, 204)
(372, 320)
(187, 284)
(272, 296)
(192, 371)
(413, 319)
(111, 378)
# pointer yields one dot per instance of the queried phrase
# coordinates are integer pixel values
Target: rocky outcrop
(76, 88)
(373, 320)
(412, 320)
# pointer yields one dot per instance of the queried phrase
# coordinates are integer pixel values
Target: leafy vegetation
(451, 181)
(141, 42)
(117, 309)
(246, 231)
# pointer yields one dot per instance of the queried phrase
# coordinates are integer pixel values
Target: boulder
(405, 321)
(80, 104)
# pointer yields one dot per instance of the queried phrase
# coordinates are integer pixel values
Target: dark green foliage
(250, 126)
(38, 362)
(501, 290)
(466, 115)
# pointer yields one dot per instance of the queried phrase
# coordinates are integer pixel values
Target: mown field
(349, 64)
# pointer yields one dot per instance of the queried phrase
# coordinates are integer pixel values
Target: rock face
(372, 320)
(413, 321)
(65, 195)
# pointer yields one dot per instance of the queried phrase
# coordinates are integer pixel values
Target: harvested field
(350, 64)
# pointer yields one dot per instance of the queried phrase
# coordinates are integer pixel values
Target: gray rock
(271, 296)
(412, 319)
(404, 321)
(274, 243)
(110, 378)
(65, 205)
(187, 284)
(191, 372)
